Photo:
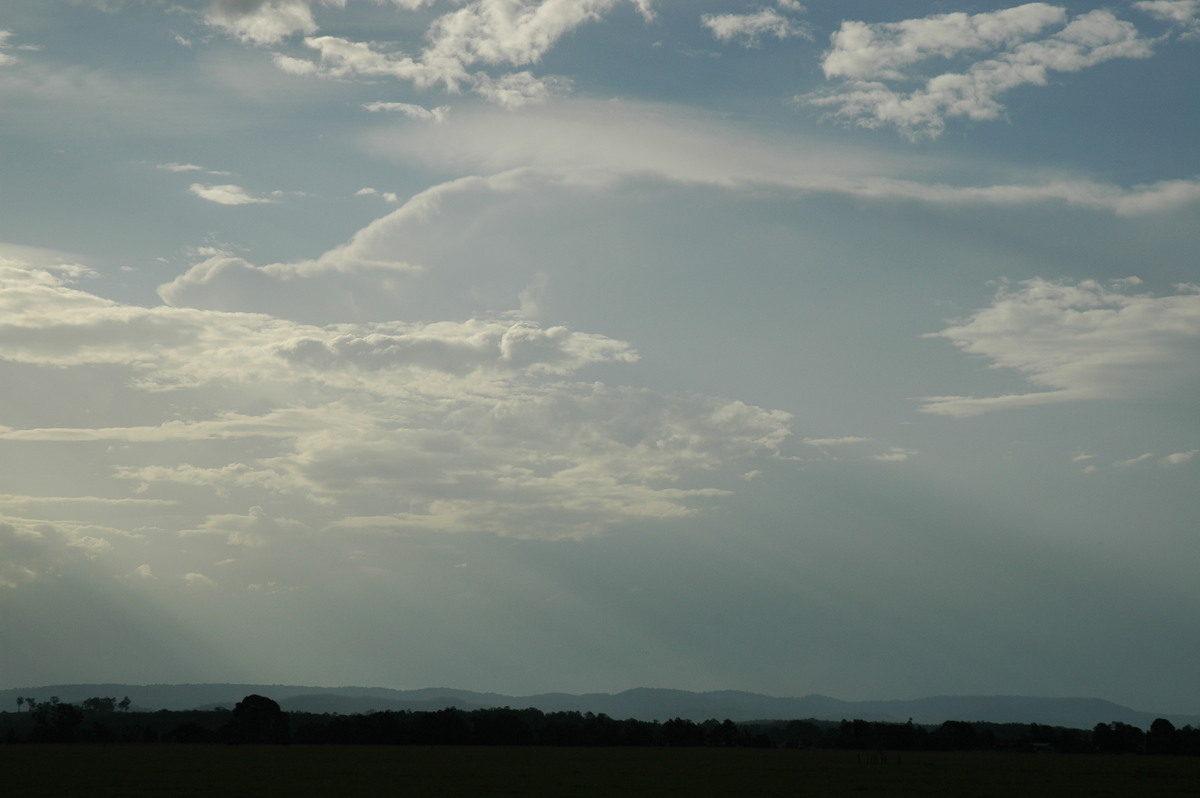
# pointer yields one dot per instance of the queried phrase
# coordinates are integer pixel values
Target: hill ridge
(642, 703)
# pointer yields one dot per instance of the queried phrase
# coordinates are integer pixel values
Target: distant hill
(641, 703)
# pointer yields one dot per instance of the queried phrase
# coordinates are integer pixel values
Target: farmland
(167, 771)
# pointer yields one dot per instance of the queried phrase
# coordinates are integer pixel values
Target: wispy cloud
(1076, 341)
(749, 29)
(412, 111)
(1184, 14)
(226, 194)
(825, 442)
(587, 141)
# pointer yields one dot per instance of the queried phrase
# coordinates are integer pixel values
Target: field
(99, 771)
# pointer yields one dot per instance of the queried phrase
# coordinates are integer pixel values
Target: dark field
(97, 771)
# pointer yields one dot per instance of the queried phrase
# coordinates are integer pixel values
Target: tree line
(257, 719)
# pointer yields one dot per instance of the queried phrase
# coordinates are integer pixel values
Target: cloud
(1134, 460)
(412, 111)
(1179, 458)
(750, 28)
(869, 57)
(256, 529)
(488, 33)
(196, 580)
(824, 442)
(188, 167)
(450, 426)
(33, 550)
(388, 196)
(895, 455)
(584, 141)
(1077, 341)
(261, 21)
(866, 51)
(5, 58)
(518, 89)
(1185, 14)
(25, 555)
(227, 194)
(181, 167)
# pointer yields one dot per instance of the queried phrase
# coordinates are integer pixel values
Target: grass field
(98, 771)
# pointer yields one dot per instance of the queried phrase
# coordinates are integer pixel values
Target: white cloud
(518, 89)
(491, 33)
(31, 550)
(865, 51)
(261, 21)
(367, 191)
(512, 32)
(1133, 460)
(412, 111)
(591, 142)
(196, 580)
(189, 167)
(1184, 13)
(869, 57)
(895, 455)
(255, 529)
(5, 58)
(437, 426)
(227, 194)
(1078, 342)
(750, 28)
(844, 441)
(1179, 458)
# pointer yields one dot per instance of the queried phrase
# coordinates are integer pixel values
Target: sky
(830, 347)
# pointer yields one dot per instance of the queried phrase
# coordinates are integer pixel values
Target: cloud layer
(441, 426)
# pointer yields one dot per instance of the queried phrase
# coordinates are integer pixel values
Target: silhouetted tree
(1161, 739)
(124, 704)
(55, 722)
(257, 719)
(20, 702)
(99, 704)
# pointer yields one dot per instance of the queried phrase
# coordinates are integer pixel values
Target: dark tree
(1161, 739)
(257, 719)
(55, 722)
(99, 704)
(124, 704)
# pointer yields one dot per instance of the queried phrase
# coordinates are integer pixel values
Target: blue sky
(582, 345)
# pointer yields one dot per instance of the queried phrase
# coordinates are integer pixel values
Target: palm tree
(20, 702)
